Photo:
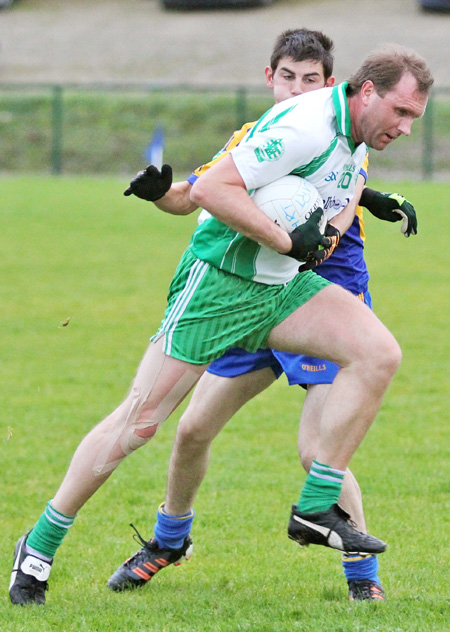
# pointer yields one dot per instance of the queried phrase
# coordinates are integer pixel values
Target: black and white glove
(151, 184)
(391, 207)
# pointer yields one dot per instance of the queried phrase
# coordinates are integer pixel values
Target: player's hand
(307, 237)
(316, 257)
(151, 184)
(391, 207)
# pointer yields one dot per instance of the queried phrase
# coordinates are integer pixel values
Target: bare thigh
(334, 325)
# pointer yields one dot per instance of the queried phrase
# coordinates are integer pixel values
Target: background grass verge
(75, 247)
(105, 129)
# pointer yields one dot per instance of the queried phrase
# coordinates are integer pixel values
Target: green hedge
(105, 130)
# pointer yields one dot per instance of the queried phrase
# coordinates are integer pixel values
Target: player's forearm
(229, 202)
(344, 219)
(177, 199)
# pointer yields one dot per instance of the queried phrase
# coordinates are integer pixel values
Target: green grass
(77, 248)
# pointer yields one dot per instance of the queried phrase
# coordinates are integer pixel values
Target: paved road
(137, 40)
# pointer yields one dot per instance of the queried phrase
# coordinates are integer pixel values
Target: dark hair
(386, 67)
(302, 45)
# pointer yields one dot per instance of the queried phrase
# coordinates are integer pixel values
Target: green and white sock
(48, 533)
(322, 488)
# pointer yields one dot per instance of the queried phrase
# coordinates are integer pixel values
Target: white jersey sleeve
(288, 137)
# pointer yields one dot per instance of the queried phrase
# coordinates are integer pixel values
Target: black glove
(391, 207)
(316, 257)
(151, 184)
(307, 237)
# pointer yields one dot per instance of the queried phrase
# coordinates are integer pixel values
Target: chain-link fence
(106, 128)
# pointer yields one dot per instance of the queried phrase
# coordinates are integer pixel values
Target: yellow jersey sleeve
(233, 142)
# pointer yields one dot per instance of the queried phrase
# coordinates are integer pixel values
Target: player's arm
(174, 197)
(177, 200)
(221, 190)
(337, 226)
(156, 186)
(391, 207)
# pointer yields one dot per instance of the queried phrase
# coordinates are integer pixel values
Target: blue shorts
(299, 369)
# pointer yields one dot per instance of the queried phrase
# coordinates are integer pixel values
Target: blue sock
(171, 531)
(361, 567)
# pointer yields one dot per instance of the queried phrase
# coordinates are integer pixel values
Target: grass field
(76, 248)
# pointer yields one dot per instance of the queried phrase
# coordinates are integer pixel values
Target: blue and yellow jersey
(346, 266)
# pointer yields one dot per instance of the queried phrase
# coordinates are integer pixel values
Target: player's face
(295, 77)
(382, 120)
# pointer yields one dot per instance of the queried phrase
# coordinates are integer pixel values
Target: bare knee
(134, 422)
(375, 358)
(385, 357)
(146, 432)
(194, 432)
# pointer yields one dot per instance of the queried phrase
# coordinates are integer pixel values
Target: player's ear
(269, 77)
(330, 82)
(367, 90)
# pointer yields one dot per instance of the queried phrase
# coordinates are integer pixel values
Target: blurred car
(442, 6)
(213, 4)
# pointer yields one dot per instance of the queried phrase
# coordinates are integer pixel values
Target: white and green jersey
(309, 136)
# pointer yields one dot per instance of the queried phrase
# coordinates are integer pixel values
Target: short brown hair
(304, 45)
(386, 67)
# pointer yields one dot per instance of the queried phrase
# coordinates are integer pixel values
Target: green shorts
(210, 310)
